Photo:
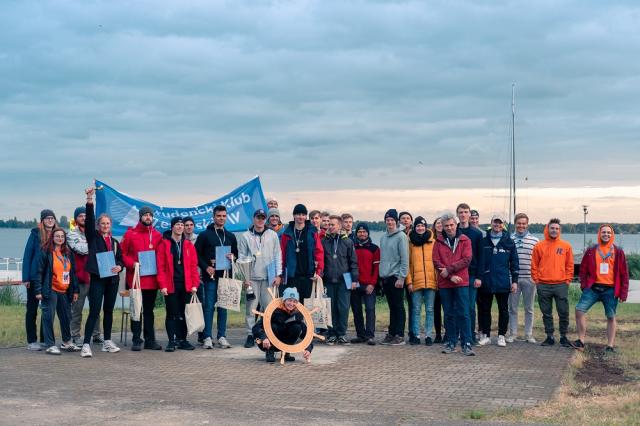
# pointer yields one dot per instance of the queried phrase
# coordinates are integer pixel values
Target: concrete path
(343, 385)
(634, 291)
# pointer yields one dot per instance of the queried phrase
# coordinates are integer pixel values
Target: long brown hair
(50, 245)
(44, 234)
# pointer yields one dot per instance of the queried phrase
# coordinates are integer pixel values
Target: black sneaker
(549, 341)
(578, 345)
(414, 340)
(467, 350)
(136, 346)
(270, 356)
(250, 342)
(171, 346)
(358, 340)
(185, 345)
(397, 341)
(98, 339)
(201, 338)
(565, 342)
(609, 350)
(448, 349)
(342, 341)
(371, 342)
(289, 358)
(428, 341)
(153, 345)
(387, 340)
(331, 340)
(438, 339)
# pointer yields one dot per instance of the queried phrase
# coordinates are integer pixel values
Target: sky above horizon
(357, 106)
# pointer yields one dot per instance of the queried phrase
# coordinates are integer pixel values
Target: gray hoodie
(394, 254)
(263, 249)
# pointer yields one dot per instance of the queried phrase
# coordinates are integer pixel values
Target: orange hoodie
(552, 261)
(608, 250)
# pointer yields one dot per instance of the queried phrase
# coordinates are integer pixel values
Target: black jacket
(96, 244)
(43, 275)
(346, 259)
(288, 328)
(206, 247)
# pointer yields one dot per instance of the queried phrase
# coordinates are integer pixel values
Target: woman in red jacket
(178, 279)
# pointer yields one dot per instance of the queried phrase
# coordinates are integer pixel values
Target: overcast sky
(389, 102)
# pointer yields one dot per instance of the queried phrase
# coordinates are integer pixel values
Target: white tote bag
(229, 292)
(193, 315)
(135, 294)
(321, 318)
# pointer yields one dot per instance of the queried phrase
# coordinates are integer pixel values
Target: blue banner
(123, 209)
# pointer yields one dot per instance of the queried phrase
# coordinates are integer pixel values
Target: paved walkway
(347, 384)
(634, 291)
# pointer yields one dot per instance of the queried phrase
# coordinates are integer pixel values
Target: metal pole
(584, 230)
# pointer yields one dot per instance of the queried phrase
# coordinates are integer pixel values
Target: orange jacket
(552, 261)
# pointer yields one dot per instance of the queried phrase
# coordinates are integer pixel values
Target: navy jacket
(42, 276)
(30, 257)
(500, 265)
(477, 241)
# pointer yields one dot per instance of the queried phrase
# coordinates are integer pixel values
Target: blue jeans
(456, 314)
(210, 298)
(595, 294)
(427, 296)
(473, 294)
(56, 303)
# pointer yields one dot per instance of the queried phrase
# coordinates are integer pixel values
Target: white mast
(512, 182)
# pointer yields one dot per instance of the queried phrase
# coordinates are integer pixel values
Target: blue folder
(347, 280)
(106, 261)
(271, 272)
(147, 260)
(222, 262)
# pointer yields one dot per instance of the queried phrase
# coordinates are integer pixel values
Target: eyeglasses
(49, 218)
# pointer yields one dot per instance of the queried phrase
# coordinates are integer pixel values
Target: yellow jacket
(422, 272)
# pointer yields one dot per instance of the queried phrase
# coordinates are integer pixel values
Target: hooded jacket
(96, 244)
(394, 254)
(42, 276)
(206, 244)
(368, 261)
(315, 254)
(422, 272)
(455, 259)
(552, 261)
(164, 262)
(135, 240)
(346, 259)
(589, 267)
(30, 256)
(500, 268)
(269, 252)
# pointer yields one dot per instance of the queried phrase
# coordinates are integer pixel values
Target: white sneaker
(530, 339)
(109, 346)
(208, 343)
(35, 346)
(86, 351)
(223, 343)
(69, 347)
(484, 340)
(509, 338)
(501, 341)
(53, 350)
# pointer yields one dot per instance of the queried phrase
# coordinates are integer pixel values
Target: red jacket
(456, 261)
(620, 272)
(81, 272)
(164, 261)
(368, 262)
(135, 240)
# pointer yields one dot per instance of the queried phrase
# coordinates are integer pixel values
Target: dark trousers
(485, 300)
(302, 284)
(148, 303)
(288, 334)
(175, 321)
(200, 295)
(56, 303)
(455, 302)
(31, 315)
(340, 298)
(547, 293)
(409, 310)
(437, 314)
(397, 314)
(358, 297)
(102, 293)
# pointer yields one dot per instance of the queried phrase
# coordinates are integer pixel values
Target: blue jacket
(477, 241)
(500, 264)
(30, 257)
(315, 253)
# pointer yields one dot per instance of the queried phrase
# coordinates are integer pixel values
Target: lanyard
(298, 238)
(179, 246)
(604, 258)
(224, 237)
(258, 240)
(336, 241)
(63, 260)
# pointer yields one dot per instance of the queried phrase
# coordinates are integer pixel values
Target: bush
(9, 295)
(633, 262)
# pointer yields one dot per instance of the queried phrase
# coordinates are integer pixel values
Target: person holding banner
(302, 253)
(263, 246)
(216, 248)
(139, 241)
(178, 279)
(103, 278)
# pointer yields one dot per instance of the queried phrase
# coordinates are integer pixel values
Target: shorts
(598, 293)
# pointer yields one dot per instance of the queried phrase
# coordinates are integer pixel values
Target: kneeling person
(287, 324)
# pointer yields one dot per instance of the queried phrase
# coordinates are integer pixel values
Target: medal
(335, 256)
(179, 262)
(150, 245)
(297, 250)
(258, 253)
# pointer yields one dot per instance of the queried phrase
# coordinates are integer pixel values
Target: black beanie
(362, 225)
(78, 211)
(392, 213)
(299, 209)
(144, 210)
(177, 219)
(46, 213)
(419, 220)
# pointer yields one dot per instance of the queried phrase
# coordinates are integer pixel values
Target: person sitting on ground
(287, 324)
(604, 277)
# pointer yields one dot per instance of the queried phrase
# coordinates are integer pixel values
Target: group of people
(451, 267)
